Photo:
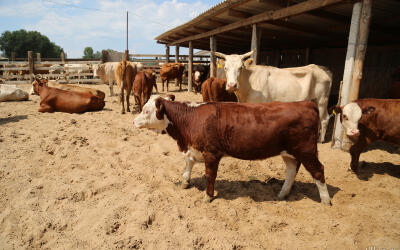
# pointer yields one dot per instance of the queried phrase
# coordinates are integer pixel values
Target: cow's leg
(127, 98)
(110, 85)
(355, 152)
(324, 120)
(122, 98)
(45, 108)
(187, 172)
(316, 169)
(167, 84)
(211, 163)
(155, 86)
(291, 171)
(180, 84)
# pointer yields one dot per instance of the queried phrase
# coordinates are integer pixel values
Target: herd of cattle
(255, 113)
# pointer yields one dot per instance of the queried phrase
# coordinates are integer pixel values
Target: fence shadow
(16, 118)
(260, 191)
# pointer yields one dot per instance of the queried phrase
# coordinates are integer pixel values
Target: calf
(143, 86)
(214, 90)
(171, 71)
(367, 120)
(53, 99)
(208, 132)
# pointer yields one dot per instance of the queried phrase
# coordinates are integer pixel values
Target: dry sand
(93, 181)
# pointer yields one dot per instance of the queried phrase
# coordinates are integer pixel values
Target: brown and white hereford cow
(214, 90)
(207, 132)
(367, 120)
(258, 83)
(143, 86)
(170, 71)
(53, 99)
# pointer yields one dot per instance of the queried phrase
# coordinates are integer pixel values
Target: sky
(76, 24)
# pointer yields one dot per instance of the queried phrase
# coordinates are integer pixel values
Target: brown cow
(207, 132)
(143, 86)
(171, 71)
(214, 90)
(100, 94)
(125, 75)
(53, 99)
(367, 120)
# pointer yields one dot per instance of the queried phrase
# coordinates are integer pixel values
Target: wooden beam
(166, 53)
(217, 22)
(238, 14)
(190, 68)
(265, 16)
(213, 61)
(200, 29)
(361, 49)
(255, 44)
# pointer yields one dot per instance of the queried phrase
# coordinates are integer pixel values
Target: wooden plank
(263, 17)
(255, 43)
(18, 82)
(190, 68)
(361, 49)
(14, 68)
(213, 60)
(12, 63)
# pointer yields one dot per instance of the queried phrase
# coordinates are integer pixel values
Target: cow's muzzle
(231, 87)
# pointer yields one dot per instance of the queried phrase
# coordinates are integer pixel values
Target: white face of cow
(197, 75)
(351, 115)
(147, 118)
(233, 67)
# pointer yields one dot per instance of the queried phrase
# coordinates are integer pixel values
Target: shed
(290, 33)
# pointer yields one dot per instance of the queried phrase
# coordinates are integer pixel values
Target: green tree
(21, 41)
(88, 53)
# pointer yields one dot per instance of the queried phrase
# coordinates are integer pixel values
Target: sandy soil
(93, 181)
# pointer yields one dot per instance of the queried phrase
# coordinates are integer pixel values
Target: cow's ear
(248, 62)
(335, 110)
(160, 110)
(170, 98)
(368, 110)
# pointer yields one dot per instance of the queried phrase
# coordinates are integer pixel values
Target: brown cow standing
(125, 75)
(143, 86)
(214, 90)
(248, 131)
(53, 99)
(171, 71)
(367, 120)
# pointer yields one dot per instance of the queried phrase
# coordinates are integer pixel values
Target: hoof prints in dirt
(130, 243)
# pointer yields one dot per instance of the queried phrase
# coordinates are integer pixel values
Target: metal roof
(327, 26)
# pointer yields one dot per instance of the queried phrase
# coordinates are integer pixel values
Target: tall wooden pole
(166, 54)
(30, 64)
(177, 61)
(348, 71)
(255, 43)
(190, 69)
(213, 63)
(127, 30)
(361, 49)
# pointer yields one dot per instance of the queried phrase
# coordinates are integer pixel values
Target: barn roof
(284, 24)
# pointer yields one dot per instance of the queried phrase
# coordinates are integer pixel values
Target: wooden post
(361, 49)
(30, 64)
(38, 57)
(104, 56)
(255, 43)
(277, 58)
(308, 59)
(337, 136)
(126, 55)
(177, 61)
(213, 61)
(12, 56)
(190, 68)
(63, 56)
(166, 53)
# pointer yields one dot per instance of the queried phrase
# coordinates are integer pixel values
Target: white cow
(106, 72)
(257, 83)
(72, 69)
(12, 93)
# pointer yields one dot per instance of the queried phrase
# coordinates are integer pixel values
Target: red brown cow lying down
(143, 86)
(367, 120)
(207, 132)
(214, 90)
(53, 99)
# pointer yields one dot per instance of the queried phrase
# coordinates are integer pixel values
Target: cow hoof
(208, 199)
(326, 202)
(185, 184)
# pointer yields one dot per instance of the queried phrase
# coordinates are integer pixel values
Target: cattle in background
(207, 132)
(106, 72)
(53, 99)
(143, 86)
(54, 84)
(125, 75)
(170, 71)
(201, 73)
(12, 93)
(367, 120)
(214, 90)
(257, 83)
(72, 69)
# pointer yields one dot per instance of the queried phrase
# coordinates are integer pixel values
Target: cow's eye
(345, 117)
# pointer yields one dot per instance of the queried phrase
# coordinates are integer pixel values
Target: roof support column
(177, 61)
(166, 54)
(190, 68)
(255, 43)
(348, 71)
(213, 63)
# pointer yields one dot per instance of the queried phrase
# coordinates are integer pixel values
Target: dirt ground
(93, 181)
